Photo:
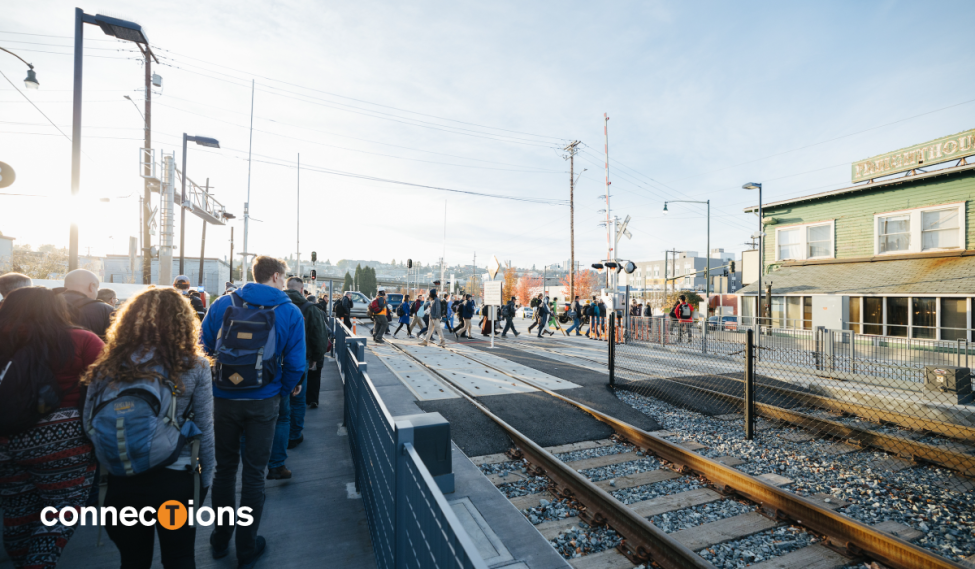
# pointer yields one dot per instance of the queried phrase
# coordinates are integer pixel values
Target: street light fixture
(761, 245)
(115, 27)
(202, 141)
(31, 81)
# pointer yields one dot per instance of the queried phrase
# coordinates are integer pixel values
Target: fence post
(749, 385)
(404, 436)
(612, 351)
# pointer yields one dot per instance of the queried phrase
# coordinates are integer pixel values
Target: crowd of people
(157, 399)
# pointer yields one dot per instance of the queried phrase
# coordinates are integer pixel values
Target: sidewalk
(309, 521)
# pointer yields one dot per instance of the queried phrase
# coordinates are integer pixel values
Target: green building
(889, 256)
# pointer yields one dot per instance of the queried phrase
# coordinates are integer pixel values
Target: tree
(348, 284)
(586, 282)
(393, 263)
(693, 299)
(367, 281)
(357, 277)
(524, 289)
(510, 283)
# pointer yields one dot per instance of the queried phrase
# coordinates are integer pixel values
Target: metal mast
(609, 243)
(247, 204)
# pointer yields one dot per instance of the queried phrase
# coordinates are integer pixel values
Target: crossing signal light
(409, 263)
(314, 273)
(314, 257)
(731, 267)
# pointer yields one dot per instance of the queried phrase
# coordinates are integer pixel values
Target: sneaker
(410, 336)
(423, 343)
(218, 552)
(313, 405)
(503, 336)
(517, 334)
(278, 473)
(394, 334)
(292, 443)
(260, 546)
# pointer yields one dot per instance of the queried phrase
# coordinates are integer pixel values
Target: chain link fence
(907, 396)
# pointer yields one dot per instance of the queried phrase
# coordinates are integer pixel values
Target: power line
(35, 106)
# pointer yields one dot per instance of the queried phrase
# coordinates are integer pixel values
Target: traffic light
(314, 273)
(409, 263)
(314, 257)
(731, 267)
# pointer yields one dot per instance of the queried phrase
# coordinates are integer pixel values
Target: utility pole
(572, 149)
(203, 240)
(147, 173)
(231, 258)
(298, 219)
(247, 204)
(609, 244)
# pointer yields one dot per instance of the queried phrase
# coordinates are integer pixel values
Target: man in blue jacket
(252, 413)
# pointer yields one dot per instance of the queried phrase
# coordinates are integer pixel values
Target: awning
(931, 276)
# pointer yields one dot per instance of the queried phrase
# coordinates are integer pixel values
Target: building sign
(941, 150)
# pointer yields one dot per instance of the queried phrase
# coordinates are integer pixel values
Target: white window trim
(804, 246)
(916, 237)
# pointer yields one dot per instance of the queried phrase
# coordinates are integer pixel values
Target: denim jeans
(298, 407)
(279, 446)
(233, 419)
(576, 325)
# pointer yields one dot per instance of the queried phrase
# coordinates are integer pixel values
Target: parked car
(524, 312)
(726, 323)
(394, 300)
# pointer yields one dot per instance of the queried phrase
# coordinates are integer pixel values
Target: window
(801, 242)
(939, 229)
(778, 312)
(807, 313)
(793, 312)
(855, 314)
(656, 272)
(895, 233)
(748, 310)
(873, 315)
(923, 229)
(924, 318)
(953, 321)
(897, 316)
(789, 247)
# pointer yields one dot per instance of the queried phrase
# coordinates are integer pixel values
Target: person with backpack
(182, 285)
(575, 313)
(403, 316)
(508, 313)
(316, 342)
(434, 322)
(416, 314)
(45, 458)
(544, 313)
(534, 306)
(595, 321)
(81, 294)
(154, 378)
(380, 310)
(683, 313)
(257, 323)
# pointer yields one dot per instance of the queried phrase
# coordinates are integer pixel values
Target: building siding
(854, 213)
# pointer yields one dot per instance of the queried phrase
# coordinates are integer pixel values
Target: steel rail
(642, 542)
(849, 536)
(964, 463)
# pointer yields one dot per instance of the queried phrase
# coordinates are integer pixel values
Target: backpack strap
(197, 469)
(102, 492)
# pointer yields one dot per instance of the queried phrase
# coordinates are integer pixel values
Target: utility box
(830, 312)
(431, 439)
(948, 379)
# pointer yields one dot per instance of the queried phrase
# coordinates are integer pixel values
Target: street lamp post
(761, 248)
(707, 267)
(202, 141)
(123, 30)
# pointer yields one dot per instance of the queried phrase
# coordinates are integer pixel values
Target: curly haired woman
(51, 464)
(157, 333)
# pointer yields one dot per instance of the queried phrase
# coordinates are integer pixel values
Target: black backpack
(400, 311)
(587, 310)
(28, 392)
(506, 311)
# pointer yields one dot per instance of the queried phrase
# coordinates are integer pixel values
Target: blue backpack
(245, 347)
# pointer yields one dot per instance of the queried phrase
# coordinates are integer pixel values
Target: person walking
(596, 321)
(182, 284)
(467, 310)
(508, 313)
(10, 282)
(487, 323)
(544, 313)
(575, 313)
(534, 306)
(683, 313)
(81, 294)
(45, 458)
(416, 319)
(404, 314)
(434, 323)
(380, 311)
(316, 343)
(154, 342)
(248, 400)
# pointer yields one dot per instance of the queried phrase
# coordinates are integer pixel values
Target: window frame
(916, 228)
(804, 240)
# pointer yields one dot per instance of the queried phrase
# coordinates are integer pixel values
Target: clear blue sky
(702, 97)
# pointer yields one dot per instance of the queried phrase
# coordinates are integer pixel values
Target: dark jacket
(468, 311)
(90, 314)
(316, 341)
(198, 307)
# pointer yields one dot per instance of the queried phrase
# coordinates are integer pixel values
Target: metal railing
(410, 522)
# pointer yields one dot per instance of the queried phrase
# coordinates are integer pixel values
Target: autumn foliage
(510, 283)
(523, 290)
(586, 284)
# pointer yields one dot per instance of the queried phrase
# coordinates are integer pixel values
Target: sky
(401, 111)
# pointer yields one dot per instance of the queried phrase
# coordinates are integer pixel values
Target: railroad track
(833, 540)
